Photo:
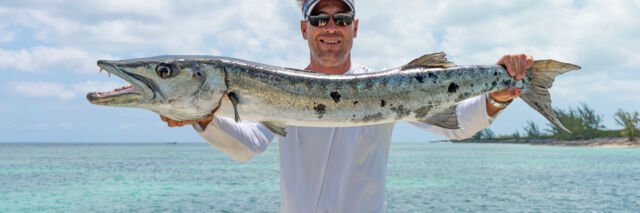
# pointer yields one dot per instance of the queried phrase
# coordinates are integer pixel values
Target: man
(340, 169)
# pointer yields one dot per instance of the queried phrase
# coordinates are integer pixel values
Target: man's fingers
(163, 118)
(510, 67)
(507, 94)
(501, 61)
(516, 66)
(523, 66)
(183, 123)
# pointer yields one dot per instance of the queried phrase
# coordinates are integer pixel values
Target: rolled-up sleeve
(241, 141)
(472, 117)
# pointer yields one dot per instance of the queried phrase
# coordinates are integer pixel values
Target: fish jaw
(138, 94)
(191, 90)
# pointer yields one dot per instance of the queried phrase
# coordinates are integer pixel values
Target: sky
(49, 49)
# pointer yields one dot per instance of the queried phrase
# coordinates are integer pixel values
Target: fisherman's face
(330, 45)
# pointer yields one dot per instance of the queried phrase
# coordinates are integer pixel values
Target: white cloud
(242, 28)
(46, 59)
(595, 34)
(43, 89)
(584, 88)
(62, 91)
(6, 36)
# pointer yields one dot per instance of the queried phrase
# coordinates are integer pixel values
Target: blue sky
(48, 50)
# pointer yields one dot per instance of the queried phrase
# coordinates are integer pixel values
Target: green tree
(532, 131)
(591, 123)
(629, 121)
(583, 122)
(485, 134)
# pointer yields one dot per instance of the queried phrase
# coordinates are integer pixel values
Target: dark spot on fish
(400, 111)
(453, 87)
(506, 82)
(336, 96)
(373, 117)
(420, 78)
(369, 84)
(422, 111)
(471, 85)
(355, 102)
(383, 103)
(320, 109)
(495, 73)
(431, 75)
(354, 115)
(494, 83)
(538, 105)
(308, 85)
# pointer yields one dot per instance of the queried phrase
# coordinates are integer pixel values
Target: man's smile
(330, 41)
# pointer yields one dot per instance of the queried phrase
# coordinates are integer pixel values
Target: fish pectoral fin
(277, 128)
(447, 119)
(438, 59)
(234, 101)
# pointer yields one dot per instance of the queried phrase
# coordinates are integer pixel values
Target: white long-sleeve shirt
(333, 169)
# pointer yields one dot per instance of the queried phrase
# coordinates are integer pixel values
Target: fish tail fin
(536, 94)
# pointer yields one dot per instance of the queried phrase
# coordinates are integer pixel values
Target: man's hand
(171, 123)
(517, 66)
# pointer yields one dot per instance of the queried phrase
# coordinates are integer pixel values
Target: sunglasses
(340, 19)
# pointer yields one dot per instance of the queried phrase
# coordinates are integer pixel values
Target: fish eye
(163, 70)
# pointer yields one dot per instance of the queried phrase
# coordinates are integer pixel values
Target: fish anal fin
(276, 128)
(447, 119)
(434, 60)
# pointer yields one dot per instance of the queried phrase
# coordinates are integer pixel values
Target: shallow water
(422, 178)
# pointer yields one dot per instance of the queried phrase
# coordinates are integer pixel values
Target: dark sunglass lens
(319, 20)
(343, 19)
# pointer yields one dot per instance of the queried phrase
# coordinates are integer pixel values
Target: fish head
(179, 88)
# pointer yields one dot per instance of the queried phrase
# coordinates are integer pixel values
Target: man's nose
(331, 26)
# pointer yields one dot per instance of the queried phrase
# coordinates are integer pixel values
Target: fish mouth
(140, 91)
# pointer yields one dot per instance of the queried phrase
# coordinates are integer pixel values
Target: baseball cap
(308, 6)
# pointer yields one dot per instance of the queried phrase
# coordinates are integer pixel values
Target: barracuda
(425, 90)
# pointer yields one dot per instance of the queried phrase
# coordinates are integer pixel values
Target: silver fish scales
(425, 90)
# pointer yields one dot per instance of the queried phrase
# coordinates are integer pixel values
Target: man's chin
(332, 59)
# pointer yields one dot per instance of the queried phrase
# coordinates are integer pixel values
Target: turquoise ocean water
(434, 177)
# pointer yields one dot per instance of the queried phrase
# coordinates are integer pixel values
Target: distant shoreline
(621, 142)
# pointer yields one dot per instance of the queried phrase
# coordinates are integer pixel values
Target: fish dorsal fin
(276, 128)
(447, 119)
(438, 59)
